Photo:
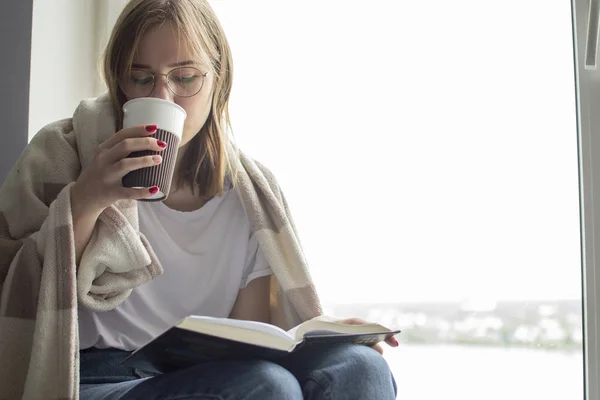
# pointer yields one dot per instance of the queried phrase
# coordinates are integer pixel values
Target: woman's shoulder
(91, 124)
(256, 168)
(61, 130)
(48, 163)
(92, 114)
(266, 171)
(259, 174)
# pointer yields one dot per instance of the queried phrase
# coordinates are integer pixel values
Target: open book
(196, 339)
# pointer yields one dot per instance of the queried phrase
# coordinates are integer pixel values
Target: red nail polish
(395, 342)
(154, 190)
(150, 128)
(161, 144)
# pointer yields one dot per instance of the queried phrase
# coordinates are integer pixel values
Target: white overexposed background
(428, 149)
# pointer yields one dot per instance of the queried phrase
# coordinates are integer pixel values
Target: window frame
(587, 84)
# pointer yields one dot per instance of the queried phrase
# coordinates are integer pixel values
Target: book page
(243, 324)
(324, 324)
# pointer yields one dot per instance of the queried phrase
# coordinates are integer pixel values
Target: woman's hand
(100, 184)
(391, 341)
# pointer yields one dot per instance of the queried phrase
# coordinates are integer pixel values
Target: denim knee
(273, 382)
(363, 361)
(247, 380)
(355, 372)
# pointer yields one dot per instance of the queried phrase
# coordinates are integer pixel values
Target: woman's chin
(184, 141)
(187, 137)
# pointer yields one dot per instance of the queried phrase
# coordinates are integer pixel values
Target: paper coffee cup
(169, 119)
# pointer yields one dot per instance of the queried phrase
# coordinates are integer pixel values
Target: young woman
(207, 242)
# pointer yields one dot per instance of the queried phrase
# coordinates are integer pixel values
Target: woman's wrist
(82, 207)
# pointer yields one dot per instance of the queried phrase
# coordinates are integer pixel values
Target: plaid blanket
(41, 285)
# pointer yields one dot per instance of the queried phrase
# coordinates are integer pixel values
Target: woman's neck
(181, 197)
(179, 162)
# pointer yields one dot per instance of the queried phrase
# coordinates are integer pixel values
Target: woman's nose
(161, 89)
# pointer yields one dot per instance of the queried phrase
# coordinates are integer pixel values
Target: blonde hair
(211, 154)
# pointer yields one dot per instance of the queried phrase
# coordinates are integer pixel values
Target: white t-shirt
(207, 256)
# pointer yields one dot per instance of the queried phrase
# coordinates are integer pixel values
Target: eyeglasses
(182, 82)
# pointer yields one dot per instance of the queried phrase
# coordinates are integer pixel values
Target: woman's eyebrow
(182, 63)
(177, 64)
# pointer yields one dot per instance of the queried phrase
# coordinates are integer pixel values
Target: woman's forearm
(84, 221)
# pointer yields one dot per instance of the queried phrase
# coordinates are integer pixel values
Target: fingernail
(160, 143)
(395, 342)
(150, 128)
(154, 190)
(157, 159)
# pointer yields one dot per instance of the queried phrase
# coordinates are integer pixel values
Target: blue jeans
(337, 372)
